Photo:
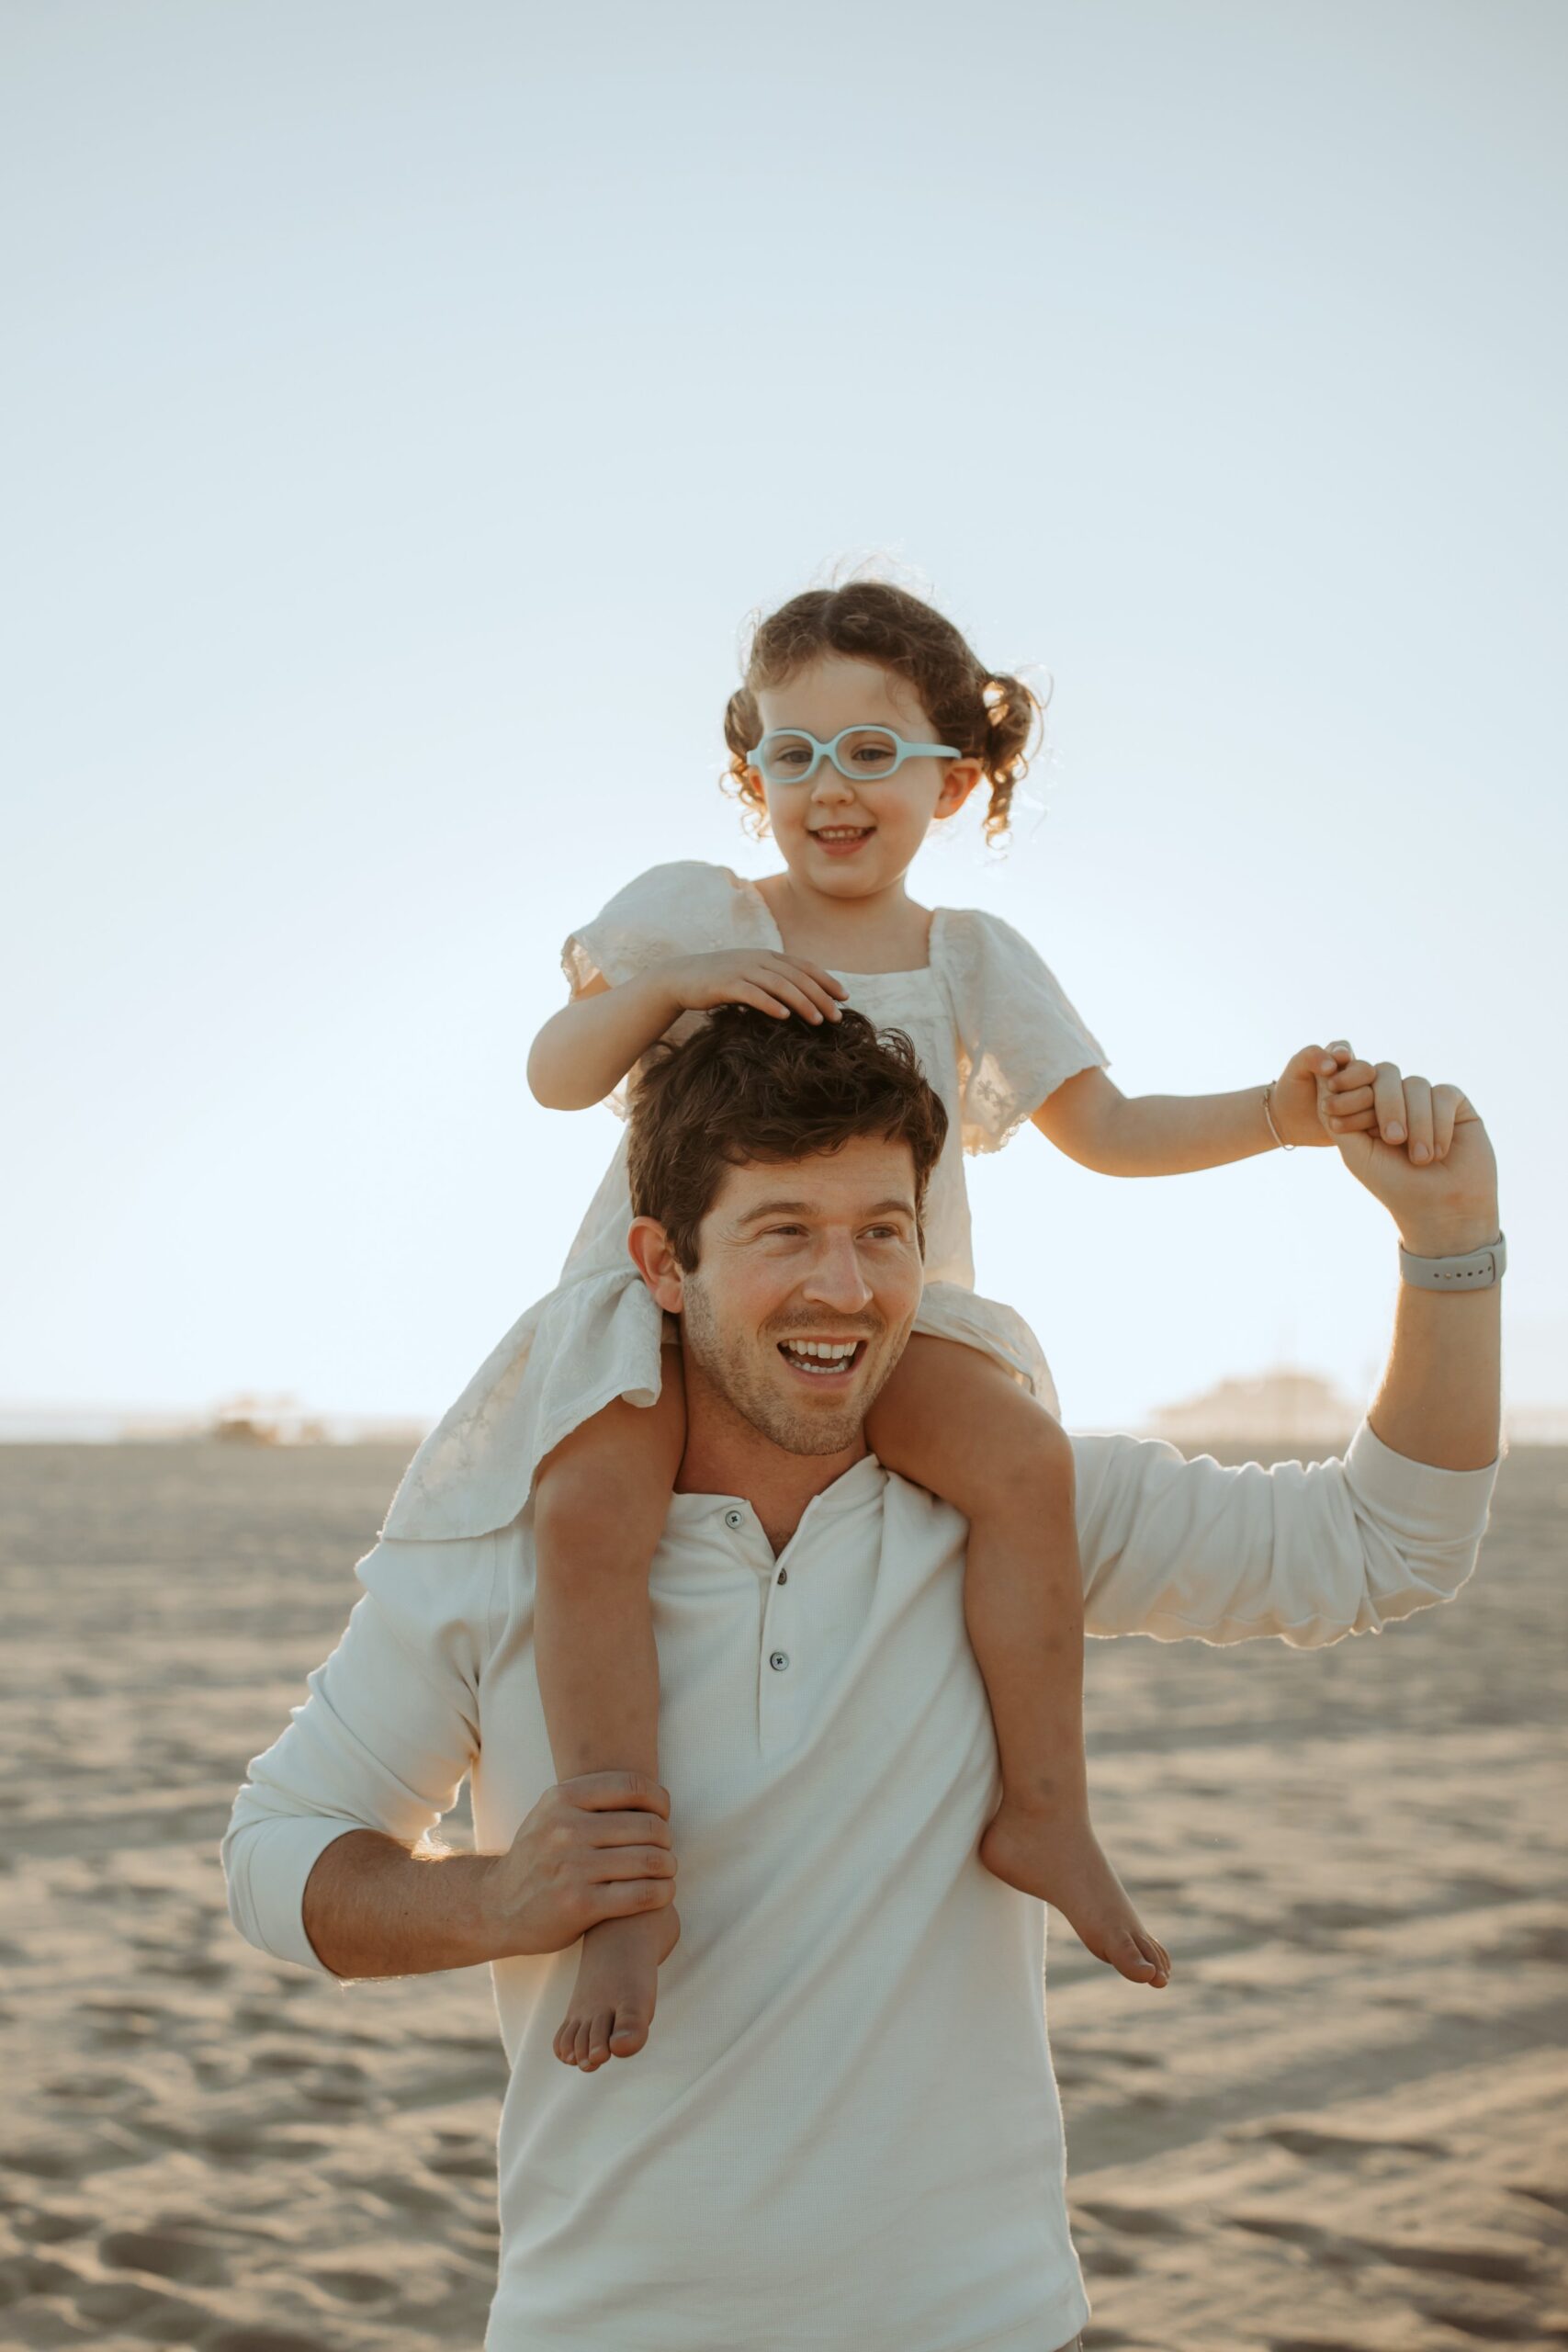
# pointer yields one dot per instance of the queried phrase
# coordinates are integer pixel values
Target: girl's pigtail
(742, 725)
(1011, 710)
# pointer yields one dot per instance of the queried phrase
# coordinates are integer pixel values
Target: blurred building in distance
(1285, 1406)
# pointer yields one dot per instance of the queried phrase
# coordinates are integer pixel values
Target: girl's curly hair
(989, 717)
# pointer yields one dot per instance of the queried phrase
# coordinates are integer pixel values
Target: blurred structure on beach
(247, 1416)
(1285, 1406)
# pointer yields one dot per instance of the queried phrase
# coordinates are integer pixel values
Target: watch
(1480, 1271)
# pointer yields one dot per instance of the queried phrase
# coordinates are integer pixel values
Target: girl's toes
(631, 2032)
(1130, 1959)
(599, 2037)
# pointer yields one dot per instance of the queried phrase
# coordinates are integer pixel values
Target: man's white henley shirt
(844, 2133)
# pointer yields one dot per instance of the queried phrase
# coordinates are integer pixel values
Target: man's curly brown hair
(747, 1087)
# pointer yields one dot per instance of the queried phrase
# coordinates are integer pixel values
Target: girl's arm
(583, 1051)
(1169, 1135)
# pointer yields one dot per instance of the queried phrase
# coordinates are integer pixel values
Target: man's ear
(656, 1262)
(956, 785)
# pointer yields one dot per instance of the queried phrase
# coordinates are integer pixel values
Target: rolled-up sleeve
(1307, 1551)
(383, 1741)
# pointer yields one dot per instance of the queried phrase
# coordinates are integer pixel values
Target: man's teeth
(828, 1355)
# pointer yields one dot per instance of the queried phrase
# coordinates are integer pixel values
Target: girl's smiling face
(852, 840)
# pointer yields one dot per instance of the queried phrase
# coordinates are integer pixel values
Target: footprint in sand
(1138, 2220)
(354, 2286)
(124, 2302)
(1344, 2147)
(1485, 2327)
(196, 1969)
(1508, 2265)
(1342, 1915)
(86, 2086)
(261, 2339)
(463, 2164)
(1317, 2344)
(1329, 2251)
(412, 2195)
(273, 2061)
(167, 2254)
(1555, 2200)
(48, 2227)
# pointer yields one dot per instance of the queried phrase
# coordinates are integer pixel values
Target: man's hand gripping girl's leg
(601, 1500)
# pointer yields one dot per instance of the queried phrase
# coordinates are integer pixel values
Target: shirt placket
(779, 1660)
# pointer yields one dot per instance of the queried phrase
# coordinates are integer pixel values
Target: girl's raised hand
(1296, 1096)
(777, 984)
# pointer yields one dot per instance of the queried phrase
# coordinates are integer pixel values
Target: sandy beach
(1344, 2129)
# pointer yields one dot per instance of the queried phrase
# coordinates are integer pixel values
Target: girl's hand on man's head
(774, 984)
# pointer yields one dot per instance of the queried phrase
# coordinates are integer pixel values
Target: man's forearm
(1441, 1397)
(371, 1908)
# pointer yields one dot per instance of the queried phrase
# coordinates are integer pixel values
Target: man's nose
(837, 1278)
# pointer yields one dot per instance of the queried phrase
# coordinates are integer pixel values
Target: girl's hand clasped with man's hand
(1326, 1093)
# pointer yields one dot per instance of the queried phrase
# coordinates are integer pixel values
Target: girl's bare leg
(600, 1504)
(952, 1419)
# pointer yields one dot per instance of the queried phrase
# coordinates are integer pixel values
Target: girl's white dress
(994, 1035)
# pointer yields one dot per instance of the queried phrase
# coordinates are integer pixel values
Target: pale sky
(404, 409)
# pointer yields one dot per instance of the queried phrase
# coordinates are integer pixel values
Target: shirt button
(784, 1576)
(779, 1660)
(734, 1518)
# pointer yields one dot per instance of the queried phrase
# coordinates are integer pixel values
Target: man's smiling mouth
(822, 1359)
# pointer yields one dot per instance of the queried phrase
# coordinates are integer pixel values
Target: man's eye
(885, 1233)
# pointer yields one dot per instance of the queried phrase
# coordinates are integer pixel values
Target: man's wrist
(1449, 1236)
(495, 1923)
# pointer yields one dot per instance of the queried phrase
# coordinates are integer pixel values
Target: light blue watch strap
(1479, 1270)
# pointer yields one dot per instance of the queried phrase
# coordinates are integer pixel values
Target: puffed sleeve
(1307, 1552)
(1019, 1035)
(687, 908)
(383, 1741)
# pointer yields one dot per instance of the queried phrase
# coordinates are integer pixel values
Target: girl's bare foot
(1057, 1857)
(618, 1980)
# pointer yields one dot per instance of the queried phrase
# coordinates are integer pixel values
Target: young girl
(862, 718)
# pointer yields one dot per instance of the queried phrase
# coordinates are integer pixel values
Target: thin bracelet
(1270, 1117)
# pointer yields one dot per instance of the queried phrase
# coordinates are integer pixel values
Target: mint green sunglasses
(793, 755)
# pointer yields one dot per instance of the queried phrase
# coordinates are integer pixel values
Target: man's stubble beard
(732, 1373)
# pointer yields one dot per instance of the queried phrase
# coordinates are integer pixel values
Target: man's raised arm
(1180, 1549)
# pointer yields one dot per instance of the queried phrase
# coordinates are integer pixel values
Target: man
(844, 2131)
